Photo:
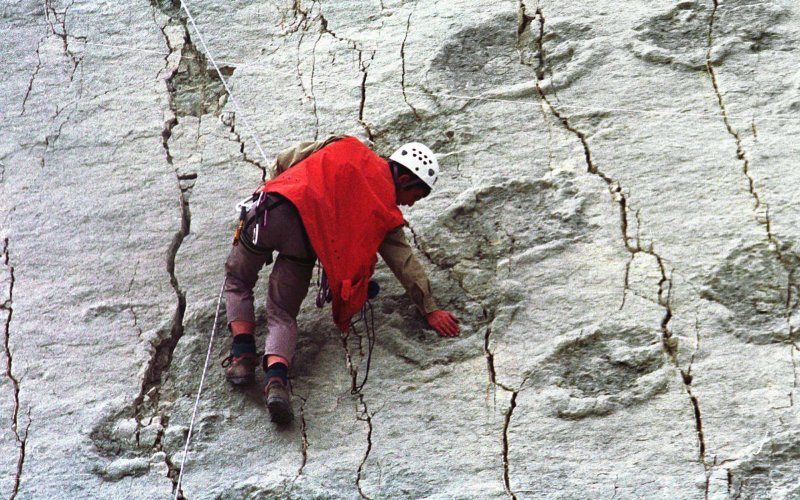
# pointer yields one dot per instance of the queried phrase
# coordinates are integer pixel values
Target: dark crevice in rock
(506, 467)
(489, 356)
(741, 154)
(53, 18)
(20, 436)
(759, 204)
(364, 67)
(626, 281)
(351, 367)
(128, 293)
(418, 244)
(365, 416)
(33, 75)
(229, 120)
(311, 86)
(761, 209)
(619, 197)
(403, 66)
(489, 314)
(634, 246)
(146, 407)
(51, 139)
(304, 17)
(525, 19)
(698, 418)
(300, 15)
(303, 23)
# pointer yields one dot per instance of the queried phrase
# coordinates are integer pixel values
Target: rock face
(615, 227)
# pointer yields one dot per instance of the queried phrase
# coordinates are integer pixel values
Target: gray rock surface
(616, 228)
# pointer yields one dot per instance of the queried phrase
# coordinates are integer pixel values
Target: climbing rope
(368, 317)
(224, 83)
(199, 390)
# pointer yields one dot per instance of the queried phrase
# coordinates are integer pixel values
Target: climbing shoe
(240, 370)
(240, 366)
(276, 395)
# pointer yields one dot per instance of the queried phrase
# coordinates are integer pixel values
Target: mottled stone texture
(616, 227)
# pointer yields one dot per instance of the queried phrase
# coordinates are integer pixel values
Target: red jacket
(346, 199)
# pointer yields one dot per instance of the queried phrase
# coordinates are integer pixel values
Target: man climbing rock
(336, 201)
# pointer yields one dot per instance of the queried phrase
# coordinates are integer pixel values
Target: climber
(336, 201)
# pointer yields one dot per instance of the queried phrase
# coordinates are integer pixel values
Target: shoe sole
(280, 411)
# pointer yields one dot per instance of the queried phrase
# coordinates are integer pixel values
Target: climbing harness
(200, 389)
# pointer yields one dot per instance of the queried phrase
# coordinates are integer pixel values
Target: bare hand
(443, 322)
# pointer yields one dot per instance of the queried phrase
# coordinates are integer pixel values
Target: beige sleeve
(297, 153)
(399, 256)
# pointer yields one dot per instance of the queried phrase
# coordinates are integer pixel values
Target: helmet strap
(414, 182)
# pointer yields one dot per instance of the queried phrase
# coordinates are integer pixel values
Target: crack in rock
(488, 312)
(311, 86)
(506, 465)
(363, 68)
(403, 66)
(21, 437)
(229, 120)
(741, 153)
(633, 246)
(33, 75)
(304, 17)
(760, 207)
(560, 207)
(186, 72)
(53, 17)
(786, 259)
(304, 20)
(131, 440)
(365, 416)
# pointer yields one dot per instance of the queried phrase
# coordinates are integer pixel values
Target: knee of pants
(242, 268)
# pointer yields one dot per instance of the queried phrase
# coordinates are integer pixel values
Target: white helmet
(420, 160)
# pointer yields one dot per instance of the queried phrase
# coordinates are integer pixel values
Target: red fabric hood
(346, 198)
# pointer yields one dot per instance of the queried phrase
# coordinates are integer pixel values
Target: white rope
(200, 390)
(222, 79)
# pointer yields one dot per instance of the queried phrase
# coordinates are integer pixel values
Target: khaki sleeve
(297, 153)
(399, 256)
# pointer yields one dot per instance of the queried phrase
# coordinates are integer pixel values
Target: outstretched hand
(443, 322)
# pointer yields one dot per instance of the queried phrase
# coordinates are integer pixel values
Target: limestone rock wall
(616, 227)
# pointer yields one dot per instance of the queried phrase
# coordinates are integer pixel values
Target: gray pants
(288, 281)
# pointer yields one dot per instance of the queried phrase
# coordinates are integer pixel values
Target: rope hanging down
(222, 289)
(224, 83)
(199, 390)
